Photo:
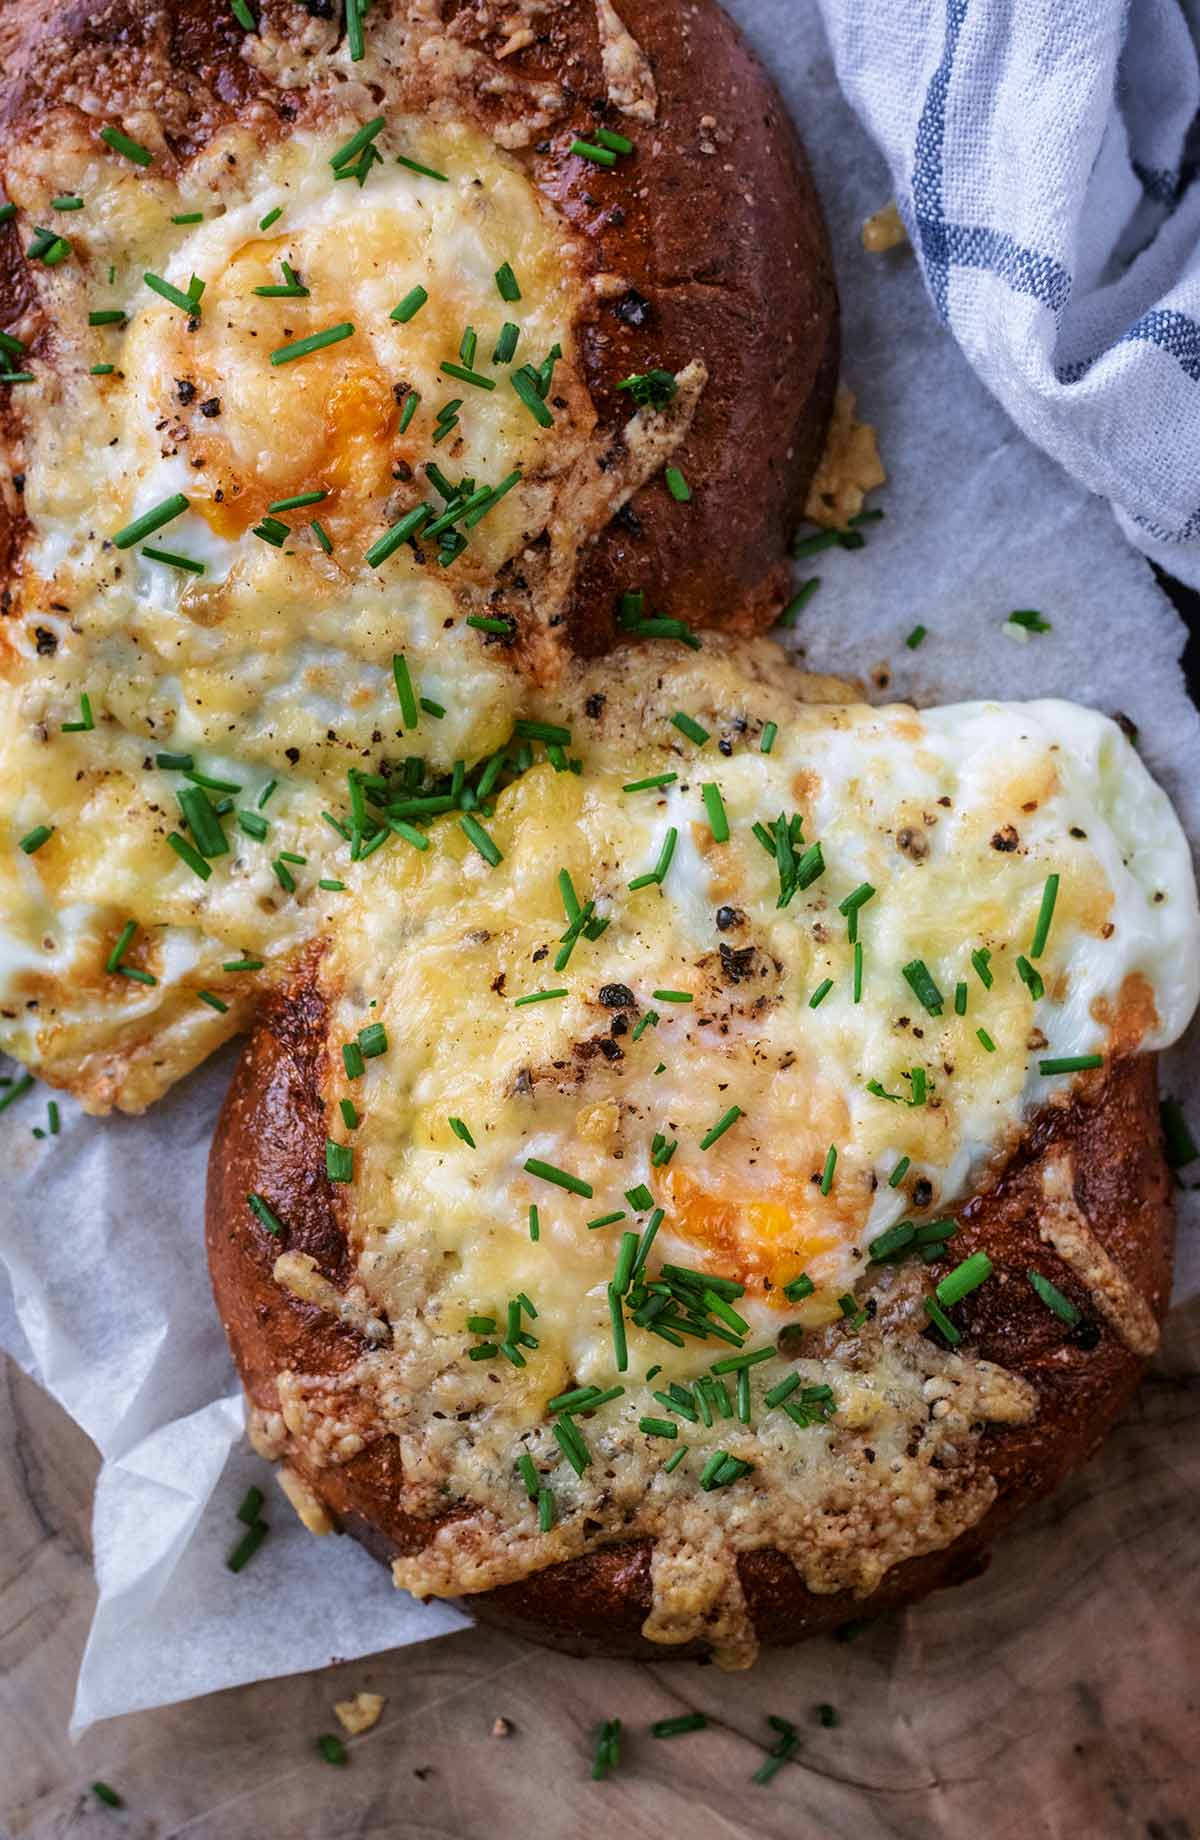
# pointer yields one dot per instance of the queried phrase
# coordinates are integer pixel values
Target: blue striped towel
(1045, 158)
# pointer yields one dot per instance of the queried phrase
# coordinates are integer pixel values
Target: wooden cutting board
(1055, 1696)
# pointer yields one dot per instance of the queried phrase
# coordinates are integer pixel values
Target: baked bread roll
(332, 342)
(700, 1195)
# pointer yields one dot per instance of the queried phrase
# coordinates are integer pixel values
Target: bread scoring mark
(1063, 1226)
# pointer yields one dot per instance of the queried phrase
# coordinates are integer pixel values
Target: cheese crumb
(360, 1713)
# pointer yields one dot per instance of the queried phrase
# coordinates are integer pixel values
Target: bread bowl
(365, 202)
(879, 1116)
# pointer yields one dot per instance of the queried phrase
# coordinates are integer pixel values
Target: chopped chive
(476, 835)
(329, 1747)
(362, 137)
(799, 1288)
(917, 976)
(617, 1320)
(733, 1363)
(1030, 977)
(187, 303)
(272, 217)
(412, 403)
(782, 1391)
(677, 485)
(152, 520)
(722, 1125)
(482, 623)
(673, 996)
(527, 390)
(94, 370)
(718, 820)
(316, 341)
(545, 1508)
(124, 940)
(247, 1546)
(675, 1459)
(1045, 916)
(1071, 1063)
(243, 15)
(941, 1321)
(676, 1727)
(915, 637)
(401, 532)
(405, 694)
(104, 1792)
(820, 993)
(242, 964)
(965, 1278)
(462, 1132)
(1053, 1298)
(462, 374)
(640, 1198)
(1029, 621)
(339, 1161)
(48, 247)
(663, 1428)
(121, 143)
(187, 565)
(33, 840)
(7, 213)
(960, 999)
(652, 784)
(899, 1172)
(409, 307)
(768, 738)
(895, 1239)
(298, 502)
(858, 971)
(981, 961)
(372, 1040)
(799, 602)
(66, 203)
(206, 996)
(830, 1166)
(985, 1041)
(271, 1221)
(506, 344)
(599, 156)
(619, 143)
(547, 1172)
(190, 855)
(692, 729)
(427, 172)
(16, 1091)
(355, 43)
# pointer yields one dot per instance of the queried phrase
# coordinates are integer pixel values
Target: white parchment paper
(103, 1288)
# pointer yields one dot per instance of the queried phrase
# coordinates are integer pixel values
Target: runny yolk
(764, 1244)
(349, 455)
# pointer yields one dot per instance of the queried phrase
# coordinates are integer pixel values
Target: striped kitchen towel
(1045, 157)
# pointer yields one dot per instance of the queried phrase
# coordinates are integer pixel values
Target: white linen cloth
(1044, 158)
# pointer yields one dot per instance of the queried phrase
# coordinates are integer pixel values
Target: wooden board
(1056, 1696)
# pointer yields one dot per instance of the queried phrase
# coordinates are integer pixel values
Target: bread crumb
(884, 230)
(502, 1728)
(360, 1713)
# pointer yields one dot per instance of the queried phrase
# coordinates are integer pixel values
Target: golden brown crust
(709, 239)
(270, 1140)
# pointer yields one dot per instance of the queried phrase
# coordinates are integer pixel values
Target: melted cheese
(956, 818)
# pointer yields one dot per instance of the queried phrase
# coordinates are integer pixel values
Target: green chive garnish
(410, 306)
(538, 996)
(1053, 1298)
(677, 485)
(599, 156)
(266, 1218)
(190, 855)
(768, 738)
(1071, 1063)
(722, 1125)
(476, 835)
(150, 521)
(820, 993)
(405, 694)
(185, 564)
(121, 143)
(718, 820)
(692, 729)
(559, 1177)
(899, 1172)
(964, 1279)
(917, 976)
(915, 637)
(362, 137)
(426, 172)
(527, 390)
(830, 1166)
(104, 1792)
(316, 341)
(462, 1132)
(1045, 916)
(339, 1161)
(985, 1041)
(673, 996)
(188, 303)
(652, 784)
(34, 839)
(401, 532)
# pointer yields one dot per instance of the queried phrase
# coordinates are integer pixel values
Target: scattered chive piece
(243, 15)
(362, 137)
(675, 1459)
(1179, 1143)
(187, 565)
(405, 694)
(1045, 915)
(104, 1792)
(560, 1177)
(640, 1198)
(372, 1040)
(330, 1747)
(618, 143)
(66, 203)
(820, 993)
(941, 1321)
(410, 306)
(599, 156)
(606, 1220)
(534, 1224)
(206, 996)
(1053, 1298)
(545, 1507)
(981, 960)
(960, 999)
(316, 341)
(673, 996)
(188, 853)
(722, 1125)
(690, 728)
(355, 43)
(16, 1091)
(652, 784)
(331, 886)
(677, 486)
(121, 143)
(830, 1166)
(298, 502)
(718, 820)
(1029, 621)
(482, 623)
(985, 1041)
(427, 172)
(34, 839)
(965, 1278)
(242, 964)
(659, 1427)
(350, 1116)
(352, 1060)
(407, 527)
(676, 1727)
(858, 970)
(187, 303)
(506, 344)
(272, 217)
(1071, 1063)
(506, 283)
(768, 738)
(476, 835)
(339, 1161)
(263, 1214)
(462, 1132)
(1030, 977)
(527, 390)
(915, 637)
(94, 370)
(799, 1288)
(247, 1546)
(150, 521)
(7, 213)
(799, 602)
(917, 976)
(899, 1172)
(617, 1319)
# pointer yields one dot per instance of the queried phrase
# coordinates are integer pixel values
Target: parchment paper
(106, 1297)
